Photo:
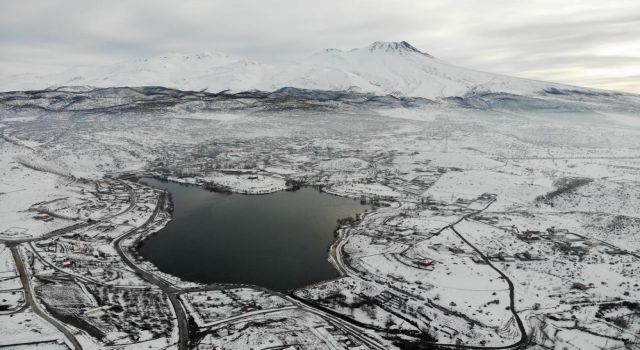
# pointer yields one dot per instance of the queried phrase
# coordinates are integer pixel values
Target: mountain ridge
(383, 68)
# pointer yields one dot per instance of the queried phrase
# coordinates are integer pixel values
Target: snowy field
(495, 218)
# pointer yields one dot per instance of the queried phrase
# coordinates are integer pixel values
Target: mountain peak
(394, 46)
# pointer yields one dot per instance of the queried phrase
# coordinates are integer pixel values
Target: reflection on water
(278, 240)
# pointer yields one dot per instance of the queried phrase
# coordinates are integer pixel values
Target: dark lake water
(279, 240)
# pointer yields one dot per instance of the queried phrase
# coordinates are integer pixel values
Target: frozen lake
(279, 240)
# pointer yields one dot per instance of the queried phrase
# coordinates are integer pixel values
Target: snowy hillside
(395, 68)
(398, 69)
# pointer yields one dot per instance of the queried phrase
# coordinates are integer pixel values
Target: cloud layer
(586, 42)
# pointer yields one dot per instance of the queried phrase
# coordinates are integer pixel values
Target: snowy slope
(399, 69)
(383, 68)
(213, 70)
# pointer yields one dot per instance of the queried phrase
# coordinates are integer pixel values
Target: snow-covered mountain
(395, 68)
(398, 69)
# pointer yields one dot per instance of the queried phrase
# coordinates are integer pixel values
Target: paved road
(339, 321)
(24, 278)
(512, 303)
(523, 332)
(53, 266)
(166, 287)
(523, 338)
(58, 232)
(355, 331)
(250, 315)
(612, 246)
(171, 291)
(79, 225)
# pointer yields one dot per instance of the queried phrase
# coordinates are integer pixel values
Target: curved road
(337, 258)
(171, 291)
(512, 304)
(24, 278)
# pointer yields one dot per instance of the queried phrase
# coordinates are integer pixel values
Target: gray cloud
(583, 42)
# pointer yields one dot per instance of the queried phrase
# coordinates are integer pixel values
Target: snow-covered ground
(247, 183)
(494, 217)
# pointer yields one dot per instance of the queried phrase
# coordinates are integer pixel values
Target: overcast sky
(584, 42)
